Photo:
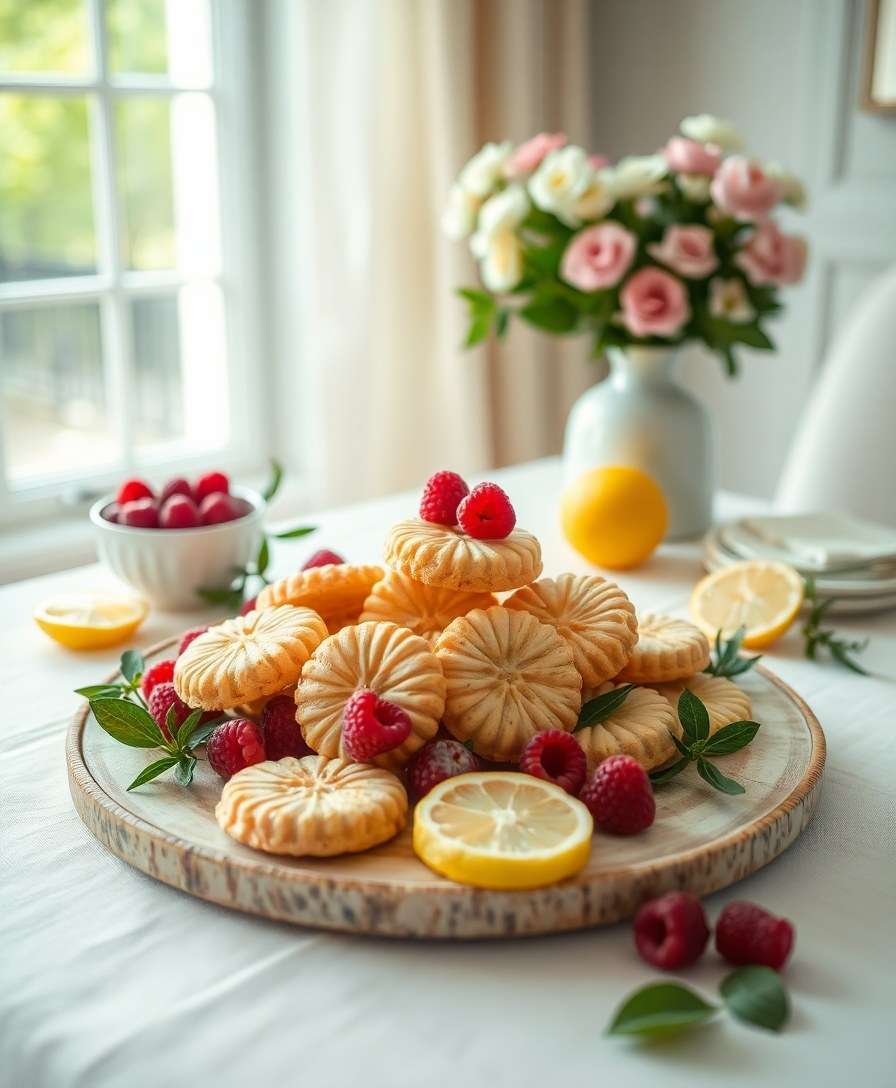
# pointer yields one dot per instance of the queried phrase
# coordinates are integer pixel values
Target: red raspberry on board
(234, 745)
(619, 796)
(282, 736)
(210, 483)
(372, 726)
(187, 637)
(217, 508)
(134, 489)
(671, 932)
(248, 605)
(438, 760)
(178, 512)
(160, 673)
(486, 513)
(177, 485)
(745, 933)
(322, 558)
(556, 757)
(161, 699)
(140, 514)
(441, 497)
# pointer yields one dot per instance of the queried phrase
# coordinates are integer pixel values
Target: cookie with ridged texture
(390, 660)
(667, 649)
(641, 727)
(336, 591)
(508, 677)
(247, 658)
(425, 610)
(725, 702)
(592, 613)
(312, 806)
(441, 556)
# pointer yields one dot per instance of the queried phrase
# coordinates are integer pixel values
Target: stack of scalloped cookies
(430, 634)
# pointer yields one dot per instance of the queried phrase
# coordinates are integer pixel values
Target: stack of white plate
(851, 560)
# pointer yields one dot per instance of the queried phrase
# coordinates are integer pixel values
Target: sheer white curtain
(376, 104)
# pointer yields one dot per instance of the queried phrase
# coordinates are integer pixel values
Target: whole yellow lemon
(614, 516)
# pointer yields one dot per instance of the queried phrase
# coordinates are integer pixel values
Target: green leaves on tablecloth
(818, 637)
(758, 996)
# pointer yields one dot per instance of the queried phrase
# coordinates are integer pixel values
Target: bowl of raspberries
(169, 542)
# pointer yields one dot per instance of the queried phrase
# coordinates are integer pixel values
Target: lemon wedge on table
(501, 829)
(90, 621)
(761, 596)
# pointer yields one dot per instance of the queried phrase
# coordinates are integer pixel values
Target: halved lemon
(501, 829)
(90, 621)
(763, 597)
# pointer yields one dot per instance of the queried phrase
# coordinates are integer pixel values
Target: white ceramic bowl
(169, 565)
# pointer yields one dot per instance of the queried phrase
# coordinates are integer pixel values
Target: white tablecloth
(110, 979)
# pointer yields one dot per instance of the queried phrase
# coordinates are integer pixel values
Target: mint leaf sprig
(696, 745)
(235, 592)
(601, 707)
(818, 637)
(132, 667)
(727, 660)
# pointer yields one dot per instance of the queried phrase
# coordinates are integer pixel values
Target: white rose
(595, 201)
(793, 192)
(728, 299)
(637, 175)
(495, 242)
(707, 129)
(459, 217)
(694, 186)
(483, 172)
(563, 179)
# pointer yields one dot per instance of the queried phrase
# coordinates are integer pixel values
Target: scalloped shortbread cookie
(425, 610)
(667, 649)
(336, 591)
(641, 728)
(724, 701)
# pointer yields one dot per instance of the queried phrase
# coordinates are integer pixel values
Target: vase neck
(641, 365)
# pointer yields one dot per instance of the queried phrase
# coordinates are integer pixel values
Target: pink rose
(654, 303)
(771, 257)
(687, 251)
(528, 156)
(743, 189)
(686, 156)
(598, 256)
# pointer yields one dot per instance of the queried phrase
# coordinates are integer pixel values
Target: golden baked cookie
(390, 660)
(591, 613)
(248, 658)
(641, 727)
(425, 610)
(448, 558)
(335, 591)
(667, 649)
(509, 677)
(724, 701)
(312, 806)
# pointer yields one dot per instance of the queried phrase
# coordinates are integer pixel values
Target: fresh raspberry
(486, 513)
(671, 932)
(745, 933)
(233, 746)
(179, 512)
(161, 699)
(441, 497)
(371, 726)
(556, 757)
(111, 512)
(210, 483)
(282, 736)
(216, 508)
(160, 673)
(323, 558)
(438, 760)
(140, 513)
(187, 637)
(249, 605)
(177, 485)
(619, 796)
(131, 490)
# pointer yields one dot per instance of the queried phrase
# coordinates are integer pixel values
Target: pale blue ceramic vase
(641, 416)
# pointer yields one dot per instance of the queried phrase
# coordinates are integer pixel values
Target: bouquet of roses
(654, 250)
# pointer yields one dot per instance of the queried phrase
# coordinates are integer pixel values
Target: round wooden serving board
(702, 841)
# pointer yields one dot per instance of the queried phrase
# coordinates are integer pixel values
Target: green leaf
(187, 727)
(273, 484)
(478, 329)
(132, 665)
(758, 996)
(753, 337)
(153, 771)
(839, 651)
(729, 361)
(731, 738)
(710, 773)
(682, 748)
(600, 708)
(502, 323)
(659, 778)
(202, 732)
(545, 260)
(101, 691)
(693, 716)
(475, 296)
(183, 772)
(557, 316)
(221, 595)
(481, 314)
(127, 723)
(264, 556)
(660, 1008)
(293, 534)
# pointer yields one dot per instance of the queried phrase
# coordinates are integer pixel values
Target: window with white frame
(113, 339)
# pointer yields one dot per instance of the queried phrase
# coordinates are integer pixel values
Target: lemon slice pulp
(90, 621)
(763, 597)
(501, 829)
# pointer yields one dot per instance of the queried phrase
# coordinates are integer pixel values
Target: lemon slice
(500, 829)
(89, 621)
(761, 596)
